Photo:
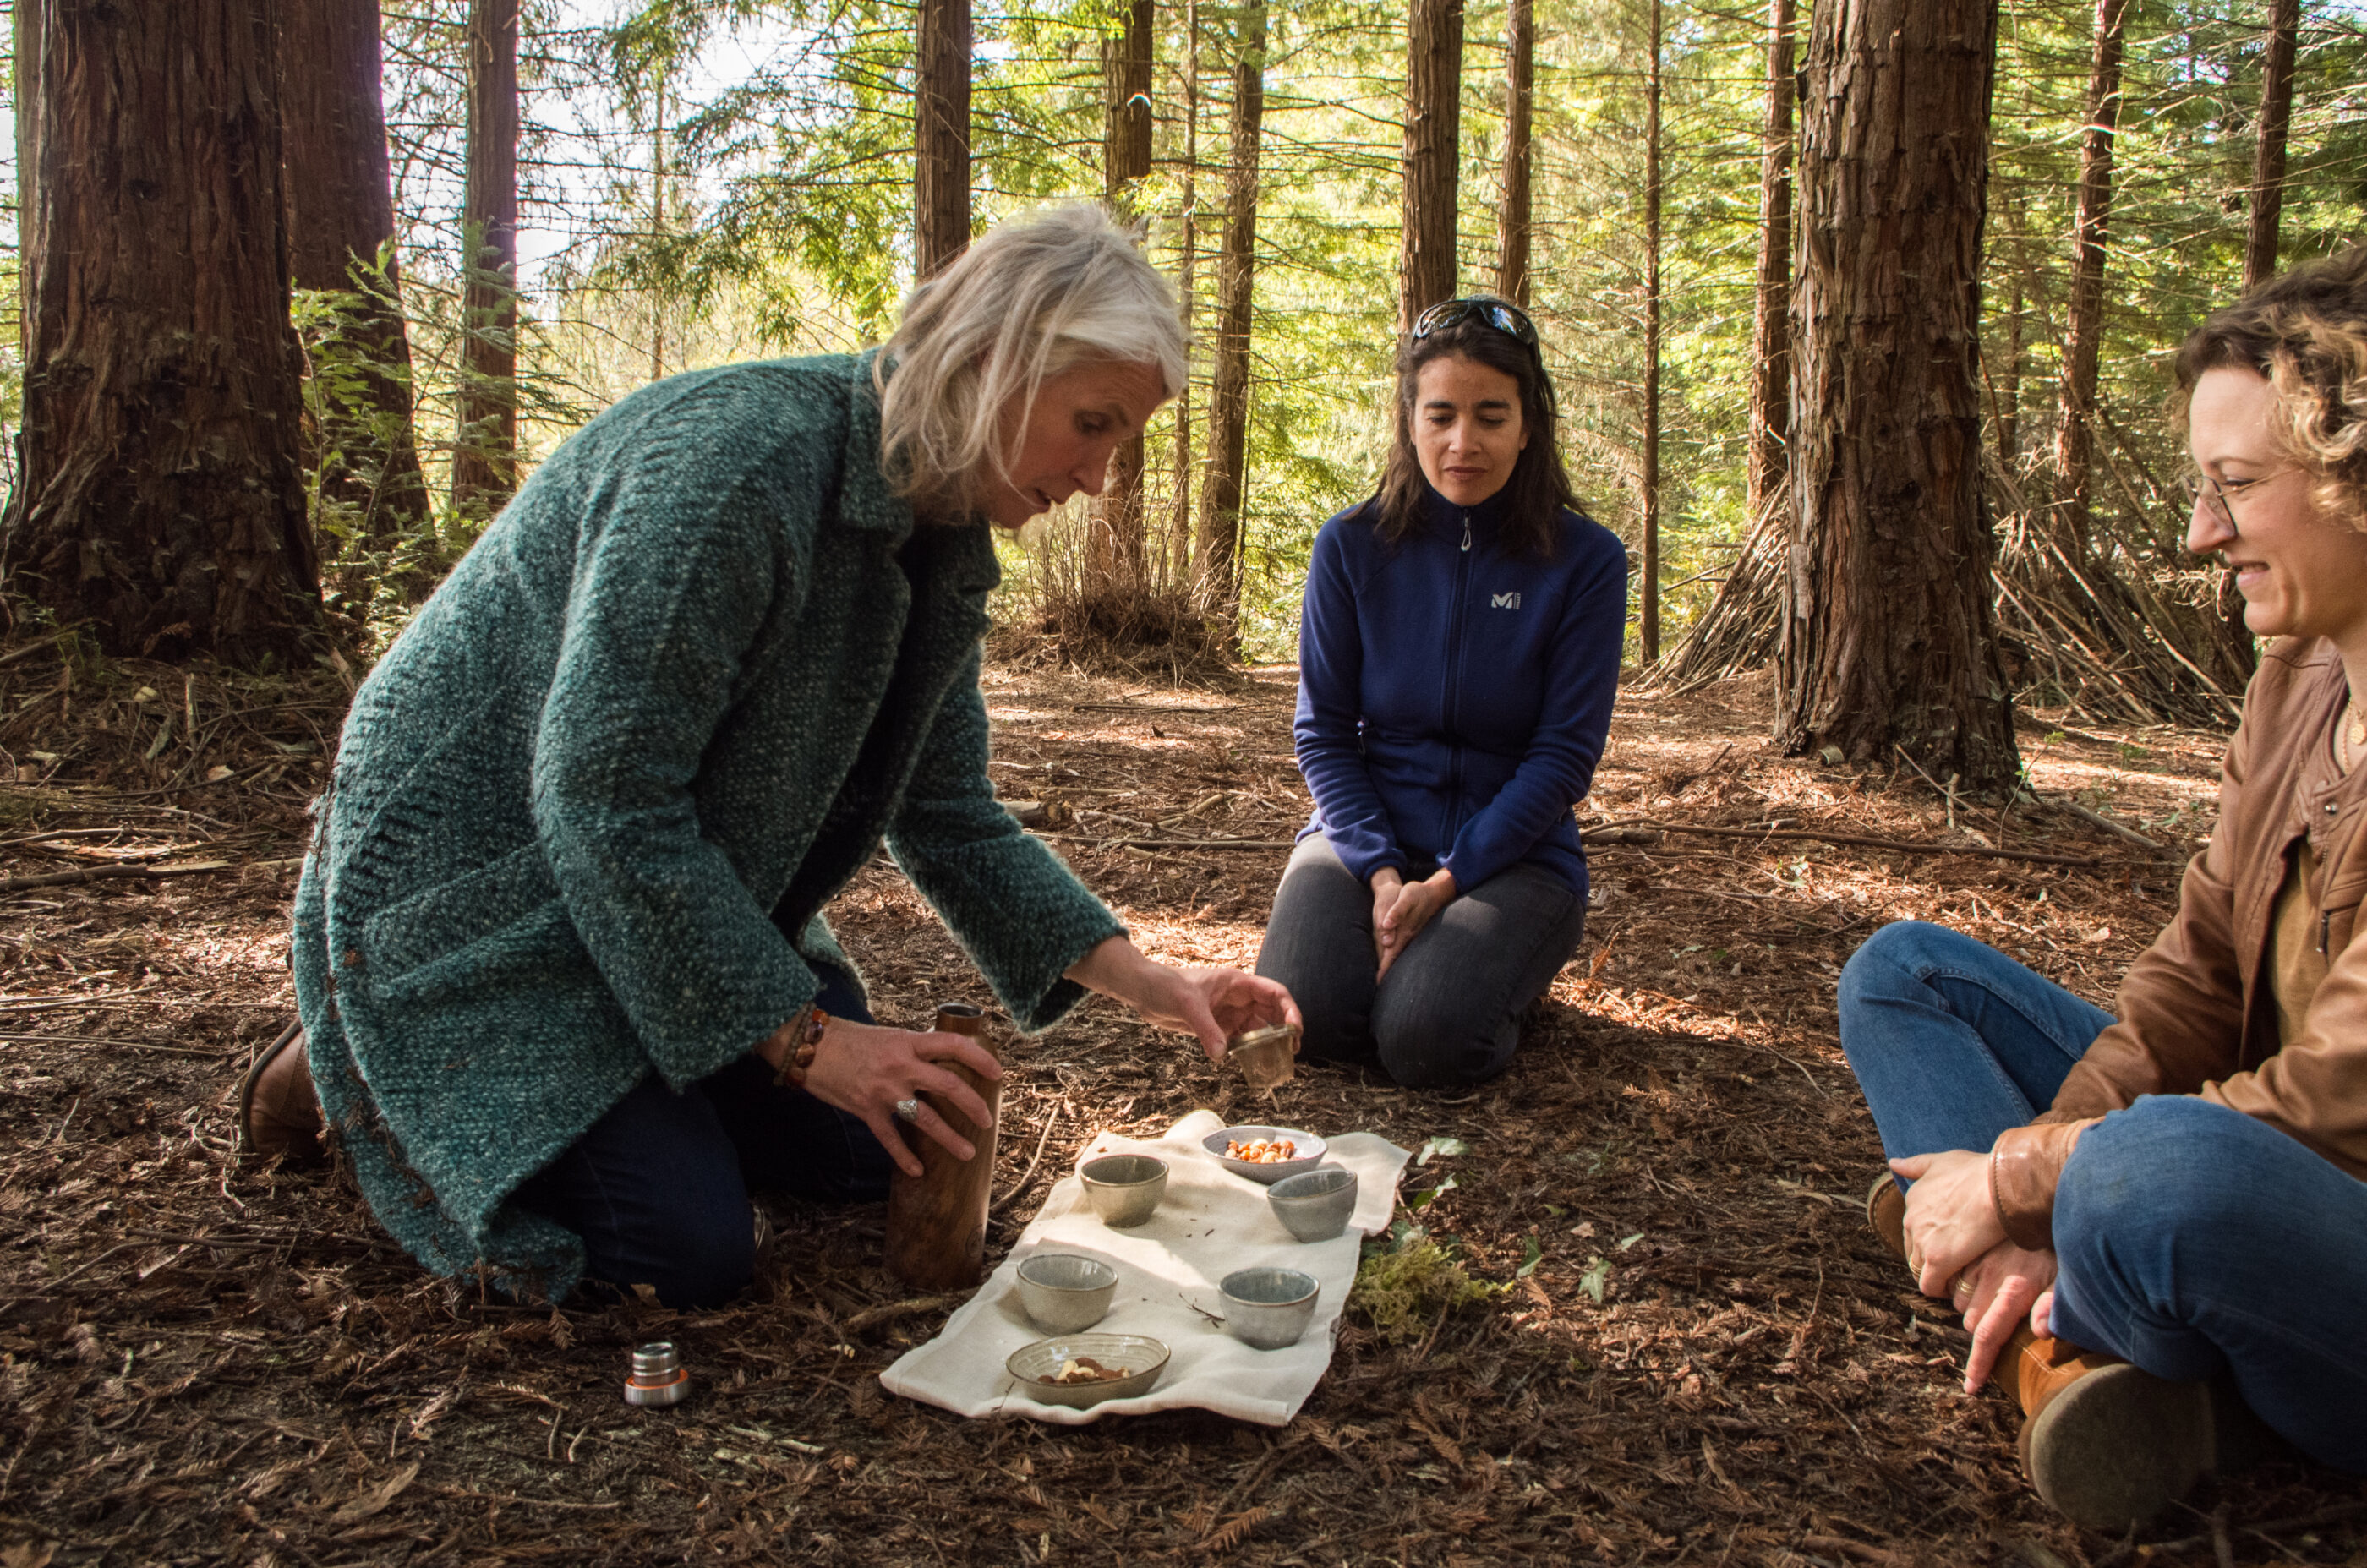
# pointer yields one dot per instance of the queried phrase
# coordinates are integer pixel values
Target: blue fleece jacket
(1453, 696)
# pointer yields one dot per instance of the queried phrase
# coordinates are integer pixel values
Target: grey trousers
(1450, 1012)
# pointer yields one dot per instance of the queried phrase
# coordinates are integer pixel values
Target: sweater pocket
(453, 915)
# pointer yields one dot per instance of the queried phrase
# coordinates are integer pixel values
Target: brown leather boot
(2108, 1444)
(278, 1111)
(1885, 1210)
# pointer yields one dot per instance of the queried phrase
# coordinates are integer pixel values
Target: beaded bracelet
(799, 1038)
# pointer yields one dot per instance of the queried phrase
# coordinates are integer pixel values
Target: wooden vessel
(936, 1221)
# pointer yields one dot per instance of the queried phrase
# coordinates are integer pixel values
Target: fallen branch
(1050, 1121)
(1904, 846)
(892, 1312)
(109, 873)
(2098, 819)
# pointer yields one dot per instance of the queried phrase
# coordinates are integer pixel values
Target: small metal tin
(658, 1376)
(1265, 1057)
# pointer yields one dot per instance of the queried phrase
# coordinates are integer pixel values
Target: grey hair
(1031, 297)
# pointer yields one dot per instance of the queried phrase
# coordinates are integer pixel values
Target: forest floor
(1710, 1359)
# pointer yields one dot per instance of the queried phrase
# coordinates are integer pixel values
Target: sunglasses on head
(1505, 317)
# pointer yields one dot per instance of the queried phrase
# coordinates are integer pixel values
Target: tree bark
(1114, 565)
(2084, 319)
(1432, 128)
(941, 136)
(1180, 515)
(340, 228)
(484, 459)
(1514, 221)
(1649, 626)
(1771, 324)
(1222, 488)
(2269, 152)
(160, 497)
(1887, 639)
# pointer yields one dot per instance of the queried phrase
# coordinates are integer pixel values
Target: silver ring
(907, 1110)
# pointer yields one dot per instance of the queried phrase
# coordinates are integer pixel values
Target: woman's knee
(1443, 1046)
(698, 1259)
(1895, 957)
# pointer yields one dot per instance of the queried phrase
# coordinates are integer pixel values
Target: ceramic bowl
(1265, 1057)
(1033, 1366)
(1066, 1292)
(1308, 1155)
(1267, 1309)
(1315, 1204)
(1125, 1189)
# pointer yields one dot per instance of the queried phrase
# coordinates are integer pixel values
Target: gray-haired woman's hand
(865, 1070)
(1212, 1004)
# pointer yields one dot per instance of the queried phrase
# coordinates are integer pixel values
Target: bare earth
(201, 1364)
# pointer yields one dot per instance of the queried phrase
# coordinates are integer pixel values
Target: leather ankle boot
(2107, 1444)
(278, 1111)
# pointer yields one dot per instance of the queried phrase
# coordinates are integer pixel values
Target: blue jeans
(2189, 1238)
(1449, 1014)
(658, 1187)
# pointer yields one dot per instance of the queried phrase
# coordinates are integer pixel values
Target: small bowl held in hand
(1066, 1292)
(1266, 1057)
(1125, 1189)
(1315, 1204)
(1137, 1358)
(1268, 1309)
(1306, 1153)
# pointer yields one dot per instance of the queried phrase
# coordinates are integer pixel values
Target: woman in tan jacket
(2154, 1218)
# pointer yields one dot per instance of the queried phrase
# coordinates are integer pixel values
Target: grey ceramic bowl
(1308, 1155)
(1142, 1357)
(1066, 1292)
(1315, 1204)
(1125, 1189)
(1267, 1309)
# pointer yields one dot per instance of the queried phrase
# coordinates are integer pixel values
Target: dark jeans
(2188, 1237)
(658, 1187)
(1450, 1012)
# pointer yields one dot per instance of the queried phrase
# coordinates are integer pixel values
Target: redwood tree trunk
(1771, 324)
(2084, 321)
(1114, 565)
(1180, 503)
(1513, 223)
(1887, 636)
(1649, 626)
(484, 462)
(159, 496)
(1229, 394)
(341, 217)
(941, 136)
(2269, 152)
(1433, 117)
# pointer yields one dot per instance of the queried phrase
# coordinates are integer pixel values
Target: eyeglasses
(2218, 497)
(1505, 317)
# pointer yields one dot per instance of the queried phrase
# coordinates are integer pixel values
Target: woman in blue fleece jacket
(1458, 655)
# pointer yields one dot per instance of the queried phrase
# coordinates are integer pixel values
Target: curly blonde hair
(1031, 297)
(2305, 332)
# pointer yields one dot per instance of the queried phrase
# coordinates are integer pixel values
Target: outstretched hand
(1211, 1004)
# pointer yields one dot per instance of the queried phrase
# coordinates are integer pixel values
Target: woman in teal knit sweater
(565, 985)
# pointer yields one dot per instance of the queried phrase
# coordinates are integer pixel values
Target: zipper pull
(2325, 918)
(1467, 531)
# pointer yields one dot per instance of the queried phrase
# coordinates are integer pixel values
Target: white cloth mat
(1210, 1223)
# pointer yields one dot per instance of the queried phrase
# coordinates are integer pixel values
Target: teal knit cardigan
(666, 707)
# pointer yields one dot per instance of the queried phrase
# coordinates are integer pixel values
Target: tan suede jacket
(2197, 1015)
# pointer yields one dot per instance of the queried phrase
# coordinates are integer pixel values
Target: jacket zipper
(1454, 684)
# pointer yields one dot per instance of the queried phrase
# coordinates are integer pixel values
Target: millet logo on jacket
(1504, 601)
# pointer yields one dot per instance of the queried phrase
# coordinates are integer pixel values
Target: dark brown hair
(2305, 332)
(1539, 489)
